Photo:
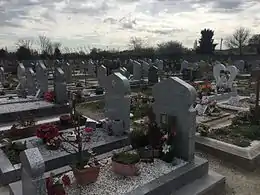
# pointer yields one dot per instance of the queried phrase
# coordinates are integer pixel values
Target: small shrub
(126, 158)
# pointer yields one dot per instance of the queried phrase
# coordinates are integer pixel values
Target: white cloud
(112, 23)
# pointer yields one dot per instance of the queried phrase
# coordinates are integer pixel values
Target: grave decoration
(86, 168)
(55, 184)
(204, 87)
(65, 119)
(206, 107)
(49, 96)
(140, 105)
(23, 126)
(49, 134)
(125, 163)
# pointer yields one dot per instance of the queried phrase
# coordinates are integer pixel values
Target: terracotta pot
(125, 169)
(87, 175)
(58, 190)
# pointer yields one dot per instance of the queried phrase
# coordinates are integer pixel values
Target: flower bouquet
(49, 96)
(49, 134)
(168, 145)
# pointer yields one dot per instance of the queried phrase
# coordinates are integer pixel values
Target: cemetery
(91, 129)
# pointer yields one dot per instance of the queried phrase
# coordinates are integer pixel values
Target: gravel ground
(239, 182)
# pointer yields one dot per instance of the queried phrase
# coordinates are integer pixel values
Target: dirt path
(239, 182)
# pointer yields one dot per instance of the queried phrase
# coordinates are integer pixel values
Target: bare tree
(47, 46)
(238, 39)
(136, 43)
(27, 43)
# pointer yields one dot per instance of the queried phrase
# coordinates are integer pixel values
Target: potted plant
(55, 185)
(65, 119)
(138, 136)
(86, 167)
(124, 163)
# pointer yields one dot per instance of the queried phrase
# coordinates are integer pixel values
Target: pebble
(112, 184)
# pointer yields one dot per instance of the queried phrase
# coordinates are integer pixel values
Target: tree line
(240, 42)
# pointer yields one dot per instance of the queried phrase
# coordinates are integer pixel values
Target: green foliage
(93, 106)
(126, 158)
(202, 129)
(170, 48)
(13, 151)
(206, 45)
(138, 136)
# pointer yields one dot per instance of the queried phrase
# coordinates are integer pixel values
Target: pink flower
(88, 129)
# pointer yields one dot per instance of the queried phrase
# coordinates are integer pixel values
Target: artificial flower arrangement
(49, 134)
(49, 96)
(167, 145)
(55, 185)
(161, 141)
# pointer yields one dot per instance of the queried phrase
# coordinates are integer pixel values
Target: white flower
(166, 148)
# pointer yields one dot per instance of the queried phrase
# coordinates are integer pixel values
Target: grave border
(247, 158)
(48, 110)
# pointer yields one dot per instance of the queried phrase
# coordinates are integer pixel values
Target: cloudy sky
(111, 23)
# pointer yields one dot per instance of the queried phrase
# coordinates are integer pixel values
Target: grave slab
(10, 112)
(100, 143)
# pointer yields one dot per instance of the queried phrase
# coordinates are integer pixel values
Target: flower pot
(87, 175)
(145, 153)
(58, 190)
(125, 169)
(65, 120)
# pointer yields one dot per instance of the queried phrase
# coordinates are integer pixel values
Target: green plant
(203, 129)
(126, 158)
(138, 136)
(13, 150)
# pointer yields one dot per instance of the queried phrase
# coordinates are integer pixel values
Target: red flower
(49, 96)
(88, 129)
(66, 180)
(47, 131)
